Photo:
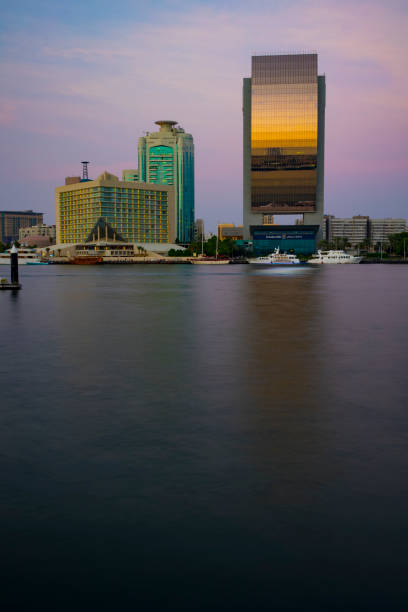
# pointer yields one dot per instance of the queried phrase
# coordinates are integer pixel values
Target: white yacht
(276, 259)
(25, 256)
(334, 257)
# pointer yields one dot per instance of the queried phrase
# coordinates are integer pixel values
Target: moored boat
(276, 259)
(334, 257)
(37, 263)
(86, 260)
(25, 256)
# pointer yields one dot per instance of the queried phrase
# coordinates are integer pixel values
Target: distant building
(40, 235)
(198, 229)
(325, 228)
(360, 228)
(130, 175)
(11, 221)
(230, 231)
(354, 229)
(140, 212)
(380, 229)
(167, 158)
(222, 226)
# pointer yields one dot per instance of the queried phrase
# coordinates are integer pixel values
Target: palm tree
(365, 244)
(324, 245)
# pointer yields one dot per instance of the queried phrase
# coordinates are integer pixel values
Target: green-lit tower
(167, 158)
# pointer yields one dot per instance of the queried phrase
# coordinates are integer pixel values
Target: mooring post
(14, 264)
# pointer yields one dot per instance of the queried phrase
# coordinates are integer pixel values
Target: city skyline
(69, 93)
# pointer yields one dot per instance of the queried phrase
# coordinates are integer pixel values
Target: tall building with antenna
(166, 157)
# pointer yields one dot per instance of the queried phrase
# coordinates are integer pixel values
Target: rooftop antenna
(85, 170)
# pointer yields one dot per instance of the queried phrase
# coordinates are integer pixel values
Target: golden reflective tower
(283, 105)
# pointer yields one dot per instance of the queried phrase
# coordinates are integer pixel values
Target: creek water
(204, 438)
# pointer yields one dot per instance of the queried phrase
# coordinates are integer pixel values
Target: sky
(83, 80)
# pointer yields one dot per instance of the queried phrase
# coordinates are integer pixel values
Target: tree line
(396, 244)
(226, 248)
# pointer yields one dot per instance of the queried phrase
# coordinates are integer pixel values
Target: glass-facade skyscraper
(167, 158)
(283, 106)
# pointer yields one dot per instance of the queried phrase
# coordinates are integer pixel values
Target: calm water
(204, 438)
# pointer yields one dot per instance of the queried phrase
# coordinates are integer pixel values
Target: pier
(14, 284)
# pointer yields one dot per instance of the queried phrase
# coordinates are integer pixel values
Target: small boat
(276, 259)
(37, 263)
(334, 257)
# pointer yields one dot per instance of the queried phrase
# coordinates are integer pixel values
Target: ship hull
(21, 262)
(86, 261)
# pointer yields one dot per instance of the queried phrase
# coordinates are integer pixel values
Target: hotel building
(140, 212)
(167, 158)
(283, 121)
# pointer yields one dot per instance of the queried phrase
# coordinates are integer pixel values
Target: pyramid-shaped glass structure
(104, 232)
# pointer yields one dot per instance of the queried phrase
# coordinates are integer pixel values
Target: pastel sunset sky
(83, 80)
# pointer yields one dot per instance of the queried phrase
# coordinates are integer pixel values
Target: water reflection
(235, 427)
(282, 270)
(259, 369)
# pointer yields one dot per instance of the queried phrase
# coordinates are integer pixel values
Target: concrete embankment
(127, 260)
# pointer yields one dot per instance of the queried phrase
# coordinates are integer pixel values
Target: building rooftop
(166, 123)
(21, 212)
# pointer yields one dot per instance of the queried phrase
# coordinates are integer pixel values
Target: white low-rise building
(361, 228)
(380, 229)
(39, 235)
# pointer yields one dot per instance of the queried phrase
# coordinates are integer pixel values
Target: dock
(13, 284)
(9, 285)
